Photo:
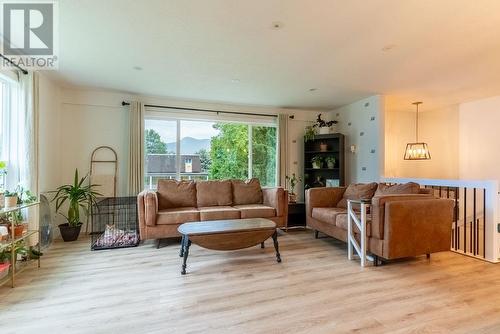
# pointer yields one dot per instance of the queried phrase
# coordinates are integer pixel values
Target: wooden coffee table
(227, 235)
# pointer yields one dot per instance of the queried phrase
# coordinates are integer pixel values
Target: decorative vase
(316, 165)
(324, 130)
(323, 147)
(10, 201)
(330, 164)
(292, 198)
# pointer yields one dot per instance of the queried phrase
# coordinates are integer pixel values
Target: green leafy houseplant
(316, 162)
(330, 162)
(309, 133)
(79, 196)
(292, 182)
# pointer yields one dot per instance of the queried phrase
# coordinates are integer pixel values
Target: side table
(361, 223)
(296, 215)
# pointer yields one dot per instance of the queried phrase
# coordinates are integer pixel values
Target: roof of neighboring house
(165, 163)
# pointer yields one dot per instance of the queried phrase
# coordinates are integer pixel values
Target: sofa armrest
(276, 198)
(323, 197)
(147, 205)
(379, 207)
(416, 227)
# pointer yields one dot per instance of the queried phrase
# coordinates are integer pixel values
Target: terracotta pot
(323, 147)
(10, 201)
(18, 230)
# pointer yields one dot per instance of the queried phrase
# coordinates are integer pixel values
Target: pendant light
(417, 150)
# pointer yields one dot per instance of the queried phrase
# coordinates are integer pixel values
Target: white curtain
(22, 141)
(136, 148)
(283, 148)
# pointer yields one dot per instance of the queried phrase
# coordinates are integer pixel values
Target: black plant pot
(69, 233)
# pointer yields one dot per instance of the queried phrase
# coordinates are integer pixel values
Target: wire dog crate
(114, 223)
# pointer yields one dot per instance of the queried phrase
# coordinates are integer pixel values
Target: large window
(197, 149)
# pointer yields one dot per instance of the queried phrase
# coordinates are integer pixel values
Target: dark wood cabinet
(323, 148)
(296, 215)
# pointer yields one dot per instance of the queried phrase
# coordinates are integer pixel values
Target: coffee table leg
(275, 240)
(181, 253)
(262, 244)
(186, 253)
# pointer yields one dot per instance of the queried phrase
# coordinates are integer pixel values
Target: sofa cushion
(177, 216)
(358, 191)
(341, 222)
(327, 215)
(218, 213)
(176, 194)
(406, 188)
(256, 211)
(214, 193)
(247, 192)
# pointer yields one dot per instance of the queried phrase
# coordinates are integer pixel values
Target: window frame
(165, 114)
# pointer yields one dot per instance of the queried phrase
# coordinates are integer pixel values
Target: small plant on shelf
(330, 162)
(324, 126)
(317, 162)
(10, 198)
(79, 196)
(292, 182)
(309, 134)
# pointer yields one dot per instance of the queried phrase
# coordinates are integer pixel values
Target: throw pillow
(247, 192)
(357, 191)
(176, 194)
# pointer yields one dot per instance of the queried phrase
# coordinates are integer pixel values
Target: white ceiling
(446, 51)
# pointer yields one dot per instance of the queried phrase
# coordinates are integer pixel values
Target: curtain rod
(14, 64)
(205, 110)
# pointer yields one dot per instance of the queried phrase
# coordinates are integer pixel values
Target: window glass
(209, 150)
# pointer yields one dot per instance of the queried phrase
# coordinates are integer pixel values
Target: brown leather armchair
(399, 225)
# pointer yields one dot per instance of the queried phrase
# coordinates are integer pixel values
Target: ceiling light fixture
(235, 80)
(137, 68)
(388, 47)
(313, 89)
(417, 150)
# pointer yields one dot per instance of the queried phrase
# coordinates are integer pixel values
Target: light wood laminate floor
(314, 290)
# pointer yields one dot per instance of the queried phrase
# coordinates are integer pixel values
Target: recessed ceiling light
(277, 25)
(313, 89)
(137, 68)
(235, 80)
(388, 47)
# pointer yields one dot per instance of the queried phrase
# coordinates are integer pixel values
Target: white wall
(362, 123)
(90, 118)
(479, 139)
(437, 127)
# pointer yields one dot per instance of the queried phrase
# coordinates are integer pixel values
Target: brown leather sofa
(403, 221)
(178, 202)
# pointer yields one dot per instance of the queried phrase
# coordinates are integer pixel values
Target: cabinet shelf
(321, 169)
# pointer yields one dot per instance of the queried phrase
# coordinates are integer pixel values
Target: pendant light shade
(417, 150)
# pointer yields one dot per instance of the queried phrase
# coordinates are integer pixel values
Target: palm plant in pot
(79, 196)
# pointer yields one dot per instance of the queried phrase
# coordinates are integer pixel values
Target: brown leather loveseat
(178, 202)
(404, 220)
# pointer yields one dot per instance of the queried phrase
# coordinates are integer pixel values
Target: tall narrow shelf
(317, 177)
(15, 267)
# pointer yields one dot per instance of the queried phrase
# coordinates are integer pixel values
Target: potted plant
(309, 133)
(323, 126)
(16, 221)
(10, 199)
(292, 182)
(330, 162)
(78, 196)
(316, 162)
